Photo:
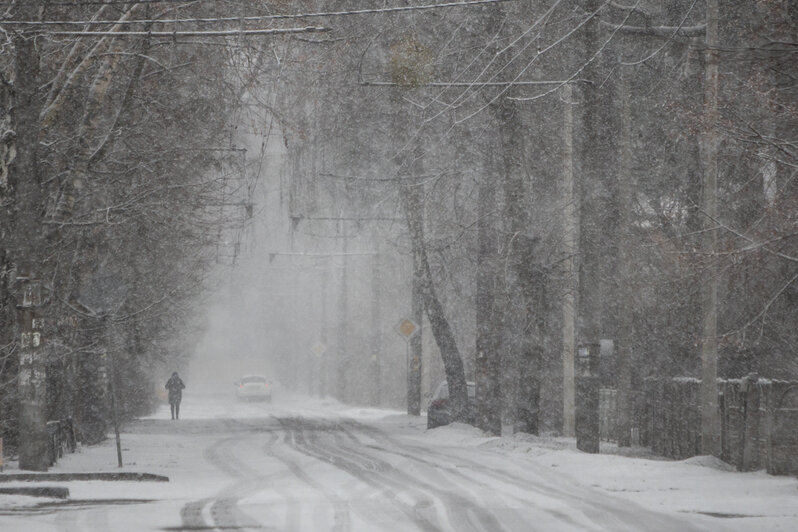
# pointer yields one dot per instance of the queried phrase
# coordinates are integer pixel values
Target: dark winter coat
(175, 386)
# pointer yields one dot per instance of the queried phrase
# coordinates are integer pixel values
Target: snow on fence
(782, 429)
(759, 420)
(60, 439)
(671, 417)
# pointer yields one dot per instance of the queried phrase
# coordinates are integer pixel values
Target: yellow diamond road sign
(318, 348)
(407, 328)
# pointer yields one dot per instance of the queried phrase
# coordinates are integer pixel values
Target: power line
(260, 18)
(121, 2)
(273, 254)
(189, 33)
(475, 83)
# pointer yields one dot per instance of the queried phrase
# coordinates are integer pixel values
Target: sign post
(408, 329)
(103, 296)
(315, 370)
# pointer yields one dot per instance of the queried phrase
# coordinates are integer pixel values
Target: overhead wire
(260, 18)
(193, 33)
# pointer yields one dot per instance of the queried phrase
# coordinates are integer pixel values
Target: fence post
(748, 426)
(69, 428)
(587, 398)
(724, 425)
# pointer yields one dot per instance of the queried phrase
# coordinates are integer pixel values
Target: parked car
(253, 388)
(439, 409)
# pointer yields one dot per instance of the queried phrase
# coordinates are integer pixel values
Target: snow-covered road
(309, 465)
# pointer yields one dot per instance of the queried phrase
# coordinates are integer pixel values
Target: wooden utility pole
(415, 211)
(595, 175)
(376, 328)
(513, 336)
(342, 326)
(324, 366)
(570, 241)
(710, 417)
(625, 309)
(591, 179)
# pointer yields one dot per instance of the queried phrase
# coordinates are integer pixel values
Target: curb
(53, 492)
(63, 477)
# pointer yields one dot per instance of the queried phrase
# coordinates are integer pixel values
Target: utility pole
(623, 347)
(376, 325)
(594, 175)
(590, 178)
(710, 418)
(514, 337)
(323, 363)
(569, 243)
(342, 369)
(414, 372)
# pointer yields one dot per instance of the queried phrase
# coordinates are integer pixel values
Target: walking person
(175, 386)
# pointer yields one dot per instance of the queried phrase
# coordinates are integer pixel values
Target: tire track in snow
(224, 509)
(463, 513)
(435, 464)
(608, 512)
(341, 518)
(67, 522)
(386, 489)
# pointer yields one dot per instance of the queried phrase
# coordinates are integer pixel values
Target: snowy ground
(303, 464)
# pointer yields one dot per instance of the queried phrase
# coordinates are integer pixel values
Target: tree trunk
(441, 330)
(532, 285)
(28, 245)
(710, 417)
(415, 343)
(488, 298)
(488, 356)
(523, 285)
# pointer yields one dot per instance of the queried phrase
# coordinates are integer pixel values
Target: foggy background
(282, 295)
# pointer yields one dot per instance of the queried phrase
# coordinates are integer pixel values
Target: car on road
(253, 388)
(439, 410)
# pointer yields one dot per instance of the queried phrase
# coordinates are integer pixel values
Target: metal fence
(60, 439)
(759, 420)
